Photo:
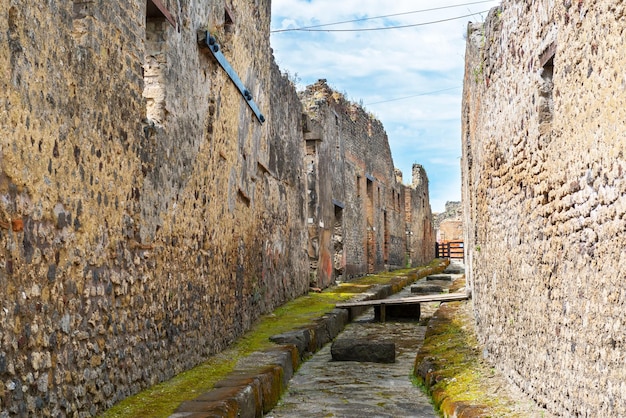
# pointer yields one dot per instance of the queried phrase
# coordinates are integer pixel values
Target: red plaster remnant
(16, 225)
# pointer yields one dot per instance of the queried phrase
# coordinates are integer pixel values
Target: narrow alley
(323, 387)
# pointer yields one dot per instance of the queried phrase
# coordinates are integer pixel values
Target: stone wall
(453, 211)
(147, 217)
(357, 216)
(449, 223)
(544, 199)
(135, 243)
(420, 233)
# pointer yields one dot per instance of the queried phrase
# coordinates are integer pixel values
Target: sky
(410, 78)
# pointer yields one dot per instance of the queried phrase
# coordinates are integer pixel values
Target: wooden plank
(443, 297)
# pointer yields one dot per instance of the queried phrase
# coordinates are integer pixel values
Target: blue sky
(376, 67)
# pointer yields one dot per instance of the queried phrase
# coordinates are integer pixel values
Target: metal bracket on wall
(205, 39)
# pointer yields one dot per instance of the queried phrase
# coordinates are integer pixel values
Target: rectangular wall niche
(155, 61)
(546, 101)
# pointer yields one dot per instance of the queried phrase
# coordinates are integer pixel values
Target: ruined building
(151, 210)
(361, 218)
(544, 195)
(449, 223)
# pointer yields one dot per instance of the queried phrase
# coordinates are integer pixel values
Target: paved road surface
(326, 388)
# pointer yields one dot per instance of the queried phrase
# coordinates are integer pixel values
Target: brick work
(147, 218)
(351, 175)
(544, 199)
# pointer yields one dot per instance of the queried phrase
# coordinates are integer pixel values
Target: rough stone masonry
(147, 217)
(544, 196)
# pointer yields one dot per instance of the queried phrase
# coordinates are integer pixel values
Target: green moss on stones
(449, 367)
(161, 400)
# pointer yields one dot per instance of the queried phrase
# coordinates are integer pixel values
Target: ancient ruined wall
(146, 217)
(449, 224)
(356, 211)
(421, 234)
(453, 211)
(544, 199)
(450, 230)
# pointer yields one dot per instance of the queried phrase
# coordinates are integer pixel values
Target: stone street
(324, 388)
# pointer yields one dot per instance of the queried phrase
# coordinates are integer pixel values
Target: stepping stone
(425, 289)
(363, 351)
(454, 270)
(443, 277)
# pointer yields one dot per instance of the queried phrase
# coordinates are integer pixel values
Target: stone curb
(256, 384)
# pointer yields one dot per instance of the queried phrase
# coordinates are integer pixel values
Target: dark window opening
(156, 10)
(386, 238)
(229, 21)
(338, 258)
(370, 191)
(370, 245)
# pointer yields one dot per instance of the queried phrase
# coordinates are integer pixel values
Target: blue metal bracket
(205, 39)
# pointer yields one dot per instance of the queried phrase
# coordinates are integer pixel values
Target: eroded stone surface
(544, 196)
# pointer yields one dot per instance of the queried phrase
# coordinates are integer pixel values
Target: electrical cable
(306, 28)
(394, 27)
(432, 22)
(414, 95)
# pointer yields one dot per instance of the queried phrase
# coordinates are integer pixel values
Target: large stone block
(425, 289)
(454, 269)
(363, 350)
(282, 356)
(300, 338)
(441, 277)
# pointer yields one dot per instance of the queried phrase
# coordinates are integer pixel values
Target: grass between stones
(162, 399)
(450, 368)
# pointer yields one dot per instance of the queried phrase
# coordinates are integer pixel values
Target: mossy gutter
(449, 367)
(163, 399)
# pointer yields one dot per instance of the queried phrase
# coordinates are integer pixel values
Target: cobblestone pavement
(326, 388)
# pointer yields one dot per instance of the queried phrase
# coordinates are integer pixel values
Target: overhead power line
(310, 28)
(414, 95)
(432, 22)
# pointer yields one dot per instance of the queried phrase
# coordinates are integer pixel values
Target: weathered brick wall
(134, 245)
(545, 199)
(421, 233)
(357, 219)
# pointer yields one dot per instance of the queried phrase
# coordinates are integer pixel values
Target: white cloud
(374, 66)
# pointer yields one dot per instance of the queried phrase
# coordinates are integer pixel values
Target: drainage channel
(326, 388)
